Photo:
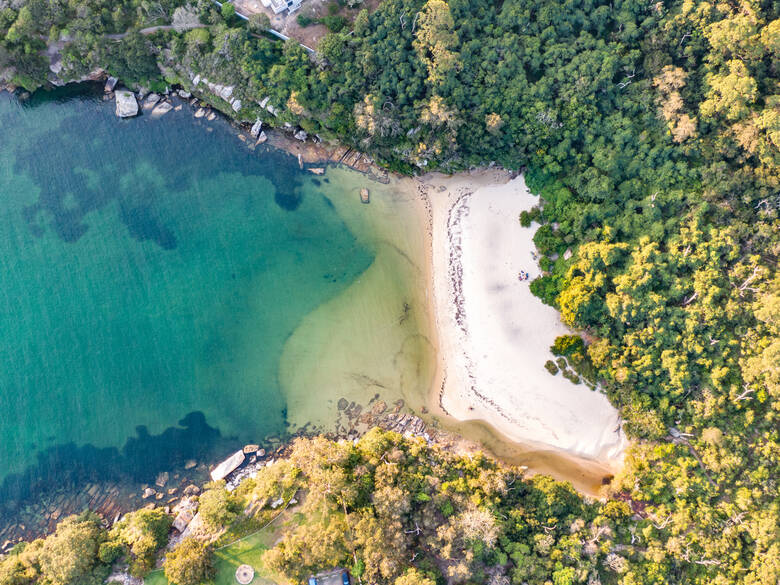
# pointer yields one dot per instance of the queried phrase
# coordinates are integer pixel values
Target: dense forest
(651, 132)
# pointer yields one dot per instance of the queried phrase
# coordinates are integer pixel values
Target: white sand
(493, 334)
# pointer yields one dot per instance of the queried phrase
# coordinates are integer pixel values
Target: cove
(151, 273)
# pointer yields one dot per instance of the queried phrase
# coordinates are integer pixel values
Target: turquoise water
(151, 271)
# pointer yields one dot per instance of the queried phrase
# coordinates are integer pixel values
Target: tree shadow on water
(139, 461)
(90, 160)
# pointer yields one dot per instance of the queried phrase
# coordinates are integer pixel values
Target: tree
(435, 39)
(190, 563)
(144, 532)
(228, 11)
(414, 577)
(218, 507)
(259, 22)
(70, 555)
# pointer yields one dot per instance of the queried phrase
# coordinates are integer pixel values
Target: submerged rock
(126, 106)
(162, 479)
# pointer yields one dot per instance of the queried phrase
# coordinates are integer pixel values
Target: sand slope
(494, 335)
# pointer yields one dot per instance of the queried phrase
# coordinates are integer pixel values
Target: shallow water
(152, 272)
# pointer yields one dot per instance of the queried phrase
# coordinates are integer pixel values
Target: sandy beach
(494, 336)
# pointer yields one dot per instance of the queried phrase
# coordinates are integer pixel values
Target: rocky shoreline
(309, 150)
(175, 487)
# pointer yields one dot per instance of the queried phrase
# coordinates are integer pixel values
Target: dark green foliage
(132, 59)
(551, 367)
(228, 12)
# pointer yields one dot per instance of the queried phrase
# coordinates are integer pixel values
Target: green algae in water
(149, 270)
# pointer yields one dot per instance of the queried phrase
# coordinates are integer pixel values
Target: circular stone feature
(245, 574)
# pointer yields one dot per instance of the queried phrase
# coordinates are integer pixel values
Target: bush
(334, 22)
(547, 241)
(528, 217)
(190, 563)
(551, 367)
(110, 551)
(567, 345)
(571, 376)
(547, 288)
(305, 20)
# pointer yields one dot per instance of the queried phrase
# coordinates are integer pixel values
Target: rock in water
(256, 127)
(126, 106)
(151, 101)
(161, 108)
(229, 465)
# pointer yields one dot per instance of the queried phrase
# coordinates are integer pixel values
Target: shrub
(551, 367)
(567, 345)
(528, 217)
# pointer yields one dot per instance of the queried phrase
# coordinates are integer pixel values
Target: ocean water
(153, 274)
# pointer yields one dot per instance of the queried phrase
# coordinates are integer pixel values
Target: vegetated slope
(652, 133)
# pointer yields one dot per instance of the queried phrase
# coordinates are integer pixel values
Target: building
(334, 577)
(281, 5)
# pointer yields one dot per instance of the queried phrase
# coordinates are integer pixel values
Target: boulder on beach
(229, 465)
(301, 135)
(126, 106)
(110, 84)
(262, 138)
(185, 95)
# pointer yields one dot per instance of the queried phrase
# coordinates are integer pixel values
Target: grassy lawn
(248, 551)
